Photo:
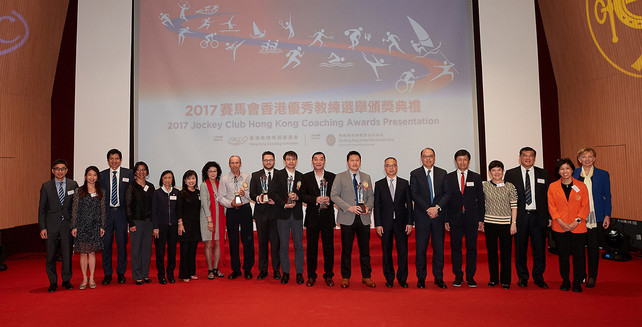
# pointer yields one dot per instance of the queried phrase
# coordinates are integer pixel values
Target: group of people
(520, 202)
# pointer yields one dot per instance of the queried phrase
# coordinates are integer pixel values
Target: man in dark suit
(428, 194)
(465, 216)
(115, 181)
(393, 220)
(54, 220)
(533, 218)
(265, 217)
(285, 190)
(319, 218)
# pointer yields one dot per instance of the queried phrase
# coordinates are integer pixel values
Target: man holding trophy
(265, 217)
(235, 196)
(285, 190)
(319, 218)
(352, 193)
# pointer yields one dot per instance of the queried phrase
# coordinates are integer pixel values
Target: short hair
(232, 156)
(462, 152)
(267, 153)
(353, 153)
(187, 174)
(207, 167)
(141, 163)
(560, 163)
(585, 150)
(393, 158)
(115, 151)
(527, 148)
(59, 162)
(318, 152)
(160, 181)
(495, 164)
(427, 148)
(290, 154)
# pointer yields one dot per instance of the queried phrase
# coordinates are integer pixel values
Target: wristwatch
(438, 208)
(578, 220)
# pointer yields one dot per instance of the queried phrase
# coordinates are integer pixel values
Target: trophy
(323, 190)
(360, 189)
(290, 186)
(237, 193)
(264, 189)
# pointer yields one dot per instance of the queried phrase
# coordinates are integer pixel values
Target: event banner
(216, 78)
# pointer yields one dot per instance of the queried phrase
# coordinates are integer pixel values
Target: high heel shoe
(210, 274)
(217, 273)
(92, 285)
(82, 286)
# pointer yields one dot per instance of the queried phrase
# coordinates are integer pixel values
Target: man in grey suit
(54, 219)
(353, 218)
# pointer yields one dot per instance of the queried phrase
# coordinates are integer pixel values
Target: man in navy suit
(54, 219)
(393, 220)
(428, 193)
(465, 216)
(115, 181)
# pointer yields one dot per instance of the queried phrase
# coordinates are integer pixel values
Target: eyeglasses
(428, 156)
(268, 160)
(388, 166)
(60, 169)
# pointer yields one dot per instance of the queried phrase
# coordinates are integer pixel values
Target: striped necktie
(527, 189)
(61, 193)
(114, 189)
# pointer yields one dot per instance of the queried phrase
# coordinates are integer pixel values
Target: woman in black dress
(88, 224)
(189, 225)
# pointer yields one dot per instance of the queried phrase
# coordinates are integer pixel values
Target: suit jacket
(472, 199)
(50, 211)
(576, 206)
(126, 177)
(385, 205)
(262, 212)
(278, 191)
(315, 217)
(343, 196)
(514, 176)
(601, 189)
(420, 193)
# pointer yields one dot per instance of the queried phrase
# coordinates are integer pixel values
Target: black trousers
(268, 235)
(594, 238)
(528, 228)
(187, 266)
(327, 241)
(115, 227)
(571, 244)
(362, 233)
(396, 234)
(433, 231)
(240, 218)
(60, 238)
(167, 236)
(499, 234)
(457, 233)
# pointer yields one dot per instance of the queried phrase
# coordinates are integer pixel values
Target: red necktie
(463, 186)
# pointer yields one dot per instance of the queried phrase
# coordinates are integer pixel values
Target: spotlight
(616, 244)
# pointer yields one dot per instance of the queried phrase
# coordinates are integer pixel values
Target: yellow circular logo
(606, 20)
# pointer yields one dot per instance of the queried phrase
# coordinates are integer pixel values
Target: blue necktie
(354, 183)
(114, 189)
(61, 193)
(430, 186)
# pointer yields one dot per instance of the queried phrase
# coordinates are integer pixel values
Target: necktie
(463, 186)
(61, 193)
(527, 189)
(269, 176)
(354, 184)
(430, 187)
(114, 189)
(392, 189)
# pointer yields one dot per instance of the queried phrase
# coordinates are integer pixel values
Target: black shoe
(522, 283)
(471, 283)
(311, 282)
(577, 287)
(440, 283)
(210, 274)
(52, 287)
(285, 278)
(505, 286)
(233, 275)
(403, 284)
(541, 284)
(162, 281)
(491, 284)
(590, 283)
(107, 280)
(121, 279)
(329, 282)
(566, 285)
(421, 283)
(389, 284)
(248, 275)
(139, 282)
(67, 285)
(458, 282)
(262, 275)
(277, 275)
(299, 279)
(218, 273)
(171, 279)
(147, 280)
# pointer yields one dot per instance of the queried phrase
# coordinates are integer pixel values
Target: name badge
(199, 197)
(71, 192)
(125, 180)
(470, 183)
(576, 189)
(93, 195)
(146, 188)
(500, 184)
(172, 197)
(541, 181)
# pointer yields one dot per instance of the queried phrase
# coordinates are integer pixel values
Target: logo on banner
(13, 40)
(235, 140)
(607, 19)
